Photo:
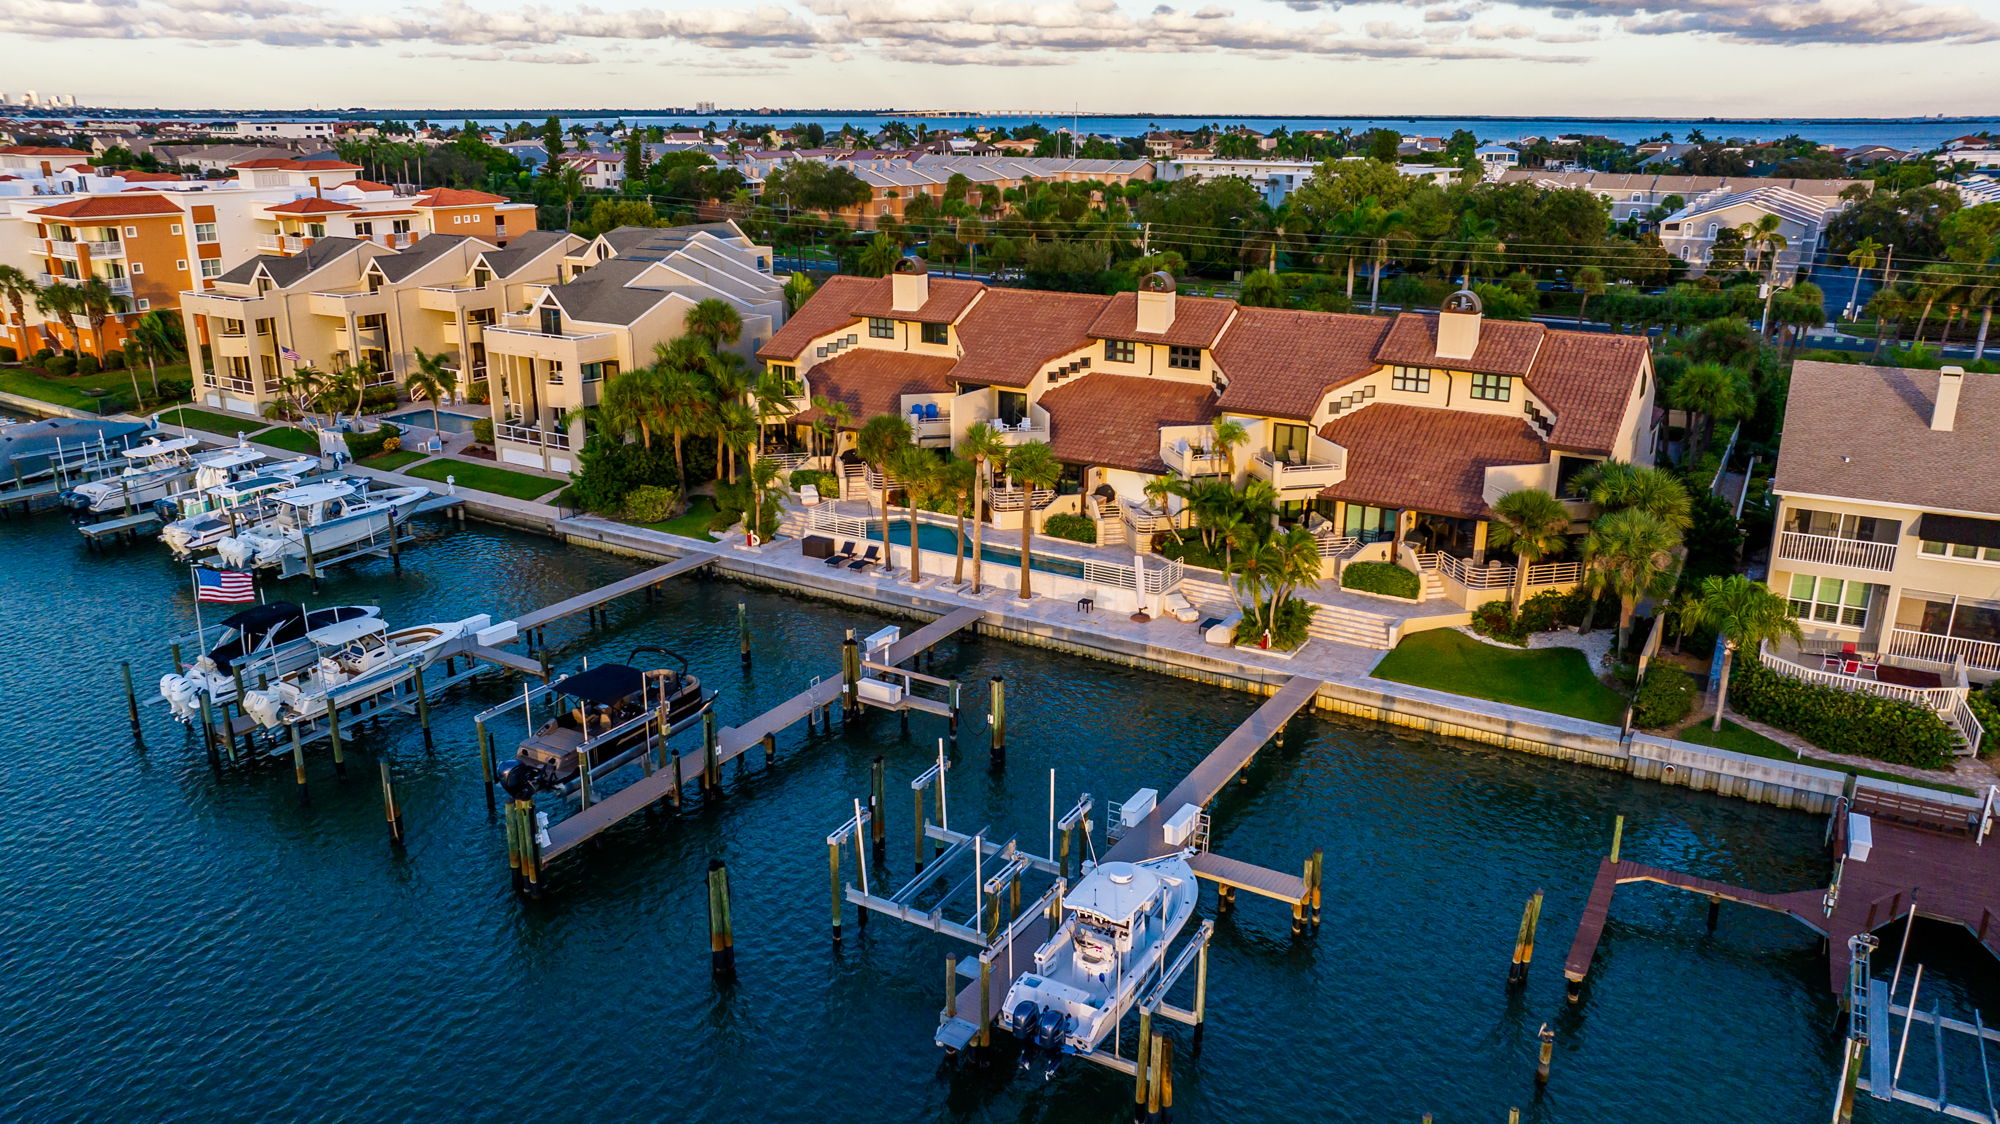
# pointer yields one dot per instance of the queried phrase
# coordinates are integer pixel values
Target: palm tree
(97, 303)
(336, 385)
(732, 422)
(1746, 614)
(157, 336)
(681, 395)
(1619, 486)
(1277, 568)
(1227, 434)
(1160, 490)
(18, 289)
(1589, 282)
(957, 483)
(1634, 551)
(713, 321)
(879, 257)
(766, 488)
(798, 290)
(982, 446)
(63, 301)
(833, 416)
(1934, 283)
(1383, 225)
(1712, 392)
(1032, 465)
(1349, 229)
(1476, 237)
(877, 443)
(1862, 257)
(434, 380)
(629, 404)
(916, 469)
(568, 183)
(1533, 523)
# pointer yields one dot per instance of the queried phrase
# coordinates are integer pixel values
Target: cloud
(1453, 15)
(1787, 21)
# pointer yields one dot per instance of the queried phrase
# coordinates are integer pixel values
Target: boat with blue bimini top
(1119, 921)
(324, 516)
(260, 642)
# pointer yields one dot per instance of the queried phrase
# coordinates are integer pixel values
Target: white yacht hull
(303, 697)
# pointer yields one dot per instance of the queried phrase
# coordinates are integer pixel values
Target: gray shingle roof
(1864, 433)
(522, 249)
(428, 249)
(601, 294)
(288, 271)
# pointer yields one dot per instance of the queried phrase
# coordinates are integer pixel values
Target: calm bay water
(182, 944)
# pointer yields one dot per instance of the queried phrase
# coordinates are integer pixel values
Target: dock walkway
(645, 579)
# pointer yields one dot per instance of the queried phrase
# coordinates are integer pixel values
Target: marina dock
(645, 580)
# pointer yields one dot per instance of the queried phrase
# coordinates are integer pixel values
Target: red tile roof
(1115, 420)
(874, 382)
(948, 298)
(1012, 334)
(453, 197)
(829, 309)
(121, 205)
(1588, 378)
(1279, 362)
(312, 206)
(1506, 347)
(32, 150)
(367, 185)
(287, 164)
(1196, 322)
(148, 177)
(1427, 459)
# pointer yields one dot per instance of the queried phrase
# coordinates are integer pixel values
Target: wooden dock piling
(299, 761)
(1142, 1057)
(1548, 1037)
(850, 678)
(131, 700)
(711, 768)
(1617, 838)
(392, 810)
(833, 884)
(770, 750)
(997, 718)
(485, 762)
(1524, 940)
(743, 630)
(207, 716)
(333, 739)
(721, 931)
(423, 704)
(877, 797)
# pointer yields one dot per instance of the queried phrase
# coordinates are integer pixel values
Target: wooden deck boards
(1022, 946)
(1289, 888)
(592, 599)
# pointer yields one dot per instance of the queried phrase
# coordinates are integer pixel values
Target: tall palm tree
(714, 321)
(1760, 235)
(1712, 392)
(770, 400)
(1477, 237)
(958, 484)
(17, 288)
(433, 380)
(629, 404)
(1349, 229)
(157, 336)
(1634, 551)
(877, 443)
(568, 184)
(63, 301)
(1161, 490)
(1382, 228)
(1033, 465)
(1862, 257)
(1746, 614)
(1935, 283)
(1228, 434)
(766, 490)
(97, 303)
(733, 422)
(916, 469)
(1276, 569)
(1588, 282)
(1534, 524)
(833, 416)
(982, 446)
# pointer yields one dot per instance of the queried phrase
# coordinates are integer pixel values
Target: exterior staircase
(1433, 585)
(1110, 523)
(1343, 625)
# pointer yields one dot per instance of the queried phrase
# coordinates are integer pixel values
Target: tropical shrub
(393, 445)
(651, 503)
(482, 431)
(361, 446)
(1075, 528)
(827, 483)
(175, 389)
(1385, 578)
(1842, 721)
(1666, 697)
(60, 366)
(1288, 626)
(1495, 621)
(1985, 704)
(609, 468)
(7, 355)
(113, 361)
(88, 365)
(732, 499)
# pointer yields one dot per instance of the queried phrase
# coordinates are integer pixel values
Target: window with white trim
(204, 232)
(1492, 388)
(881, 328)
(1830, 600)
(211, 267)
(1416, 380)
(1961, 551)
(144, 304)
(176, 228)
(131, 232)
(138, 267)
(181, 265)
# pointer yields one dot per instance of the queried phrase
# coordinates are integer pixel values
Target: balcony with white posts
(68, 250)
(929, 415)
(1033, 427)
(1888, 675)
(1934, 647)
(1833, 550)
(1190, 450)
(1322, 465)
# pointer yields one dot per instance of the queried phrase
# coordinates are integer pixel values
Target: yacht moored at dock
(319, 518)
(209, 516)
(354, 660)
(153, 470)
(262, 640)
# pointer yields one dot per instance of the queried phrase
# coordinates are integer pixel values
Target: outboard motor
(521, 780)
(1021, 1023)
(166, 509)
(1049, 1036)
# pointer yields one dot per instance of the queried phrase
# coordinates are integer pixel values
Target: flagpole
(195, 581)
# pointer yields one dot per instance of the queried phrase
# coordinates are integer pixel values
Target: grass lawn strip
(1741, 739)
(1558, 680)
(389, 462)
(485, 478)
(208, 421)
(288, 437)
(692, 523)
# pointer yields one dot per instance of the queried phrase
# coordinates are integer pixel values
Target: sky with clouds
(1519, 57)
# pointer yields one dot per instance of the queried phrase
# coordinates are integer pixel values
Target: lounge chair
(842, 556)
(1176, 605)
(809, 495)
(867, 559)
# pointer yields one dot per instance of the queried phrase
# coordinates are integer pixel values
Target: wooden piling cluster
(1524, 941)
(1153, 1082)
(721, 929)
(524, 849)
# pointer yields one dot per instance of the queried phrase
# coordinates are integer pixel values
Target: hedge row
(1382, 577)
(1842, 721)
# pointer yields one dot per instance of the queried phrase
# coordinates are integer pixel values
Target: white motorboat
(1119, 921)
(205, 519)
(356, 660)
(153, 469)
(325, 515)
(261, 641)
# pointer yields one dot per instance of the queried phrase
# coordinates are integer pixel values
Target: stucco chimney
(1156, 302)
(1945, 413)
(909, 285)
(1458, 325)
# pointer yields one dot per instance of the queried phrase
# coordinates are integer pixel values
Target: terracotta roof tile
(32, 150)
(1864, 433)
(121, 205)
(454, 197)
(1011, 334)
(312, 206)
(148, 177)
(1588, 378)
(1115, 420)
(830, 308)
(1197, 321)
(1506, 347)
(874, 382)
(1279, 362)
(367, 185)
(948, 298)
(1427, 459)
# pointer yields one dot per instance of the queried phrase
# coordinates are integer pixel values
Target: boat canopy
(311, 494)
(1114, 891)
(257, 618)
(159, 448)
(606, 683)
(347, 631)
(233, 457)
(237, 489)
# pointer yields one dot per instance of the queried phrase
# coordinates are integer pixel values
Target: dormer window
(1184, 358)
(374, 281)
(881, 328)
(937, 333)
(551, 320)
(482, 277)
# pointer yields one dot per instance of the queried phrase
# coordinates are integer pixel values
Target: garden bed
(1558, 680)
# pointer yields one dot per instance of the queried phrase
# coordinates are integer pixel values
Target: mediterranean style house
(1398, 430)
(345, 301)
(1888, 520)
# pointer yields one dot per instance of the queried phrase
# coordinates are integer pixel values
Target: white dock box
(499, 634)
(1860, 837)
(880, 692)
(1137, 807)
(877, 641)
(1180, 826)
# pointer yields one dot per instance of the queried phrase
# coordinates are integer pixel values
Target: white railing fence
(1830, 550)
(1935, 648)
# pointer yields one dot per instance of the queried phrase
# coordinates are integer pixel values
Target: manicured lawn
(229, 425)
(1558, 680)
(1739, 739)
(692, 523)
(288, 437)
(30, 383)
(486, 478)
(389, 462)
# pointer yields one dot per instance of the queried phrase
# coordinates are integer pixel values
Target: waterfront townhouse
(1888, 513)
(136, 242)
(1635, 195)
(348, 302)
(1398, 431)
(621, 296)
(1690, 233)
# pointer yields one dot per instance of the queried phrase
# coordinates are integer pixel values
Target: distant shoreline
(446, 114)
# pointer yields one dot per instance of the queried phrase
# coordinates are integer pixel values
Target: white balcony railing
(1021, 432)
(283, 243)
(1829, 550)
(1933, 647)
(491, 330)
(526, 435)
(119, 285)
(1191, 460)
(68, 250)
(1947, 701)
(1309, 474)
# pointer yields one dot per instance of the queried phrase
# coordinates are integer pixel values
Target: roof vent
(1944, 414)
(909, 285)
(1458, 325)
(1156, 302)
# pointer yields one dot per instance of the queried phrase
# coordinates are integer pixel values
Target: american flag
(290, 355)
(224, 585)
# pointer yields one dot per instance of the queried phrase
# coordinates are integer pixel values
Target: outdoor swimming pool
(446, 420)
(942, 540)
